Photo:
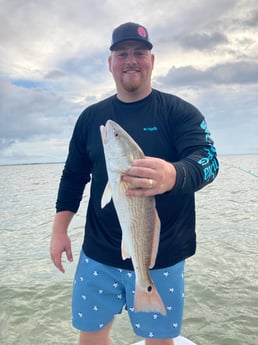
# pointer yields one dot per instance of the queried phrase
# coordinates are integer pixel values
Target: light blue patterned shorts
(100, 292)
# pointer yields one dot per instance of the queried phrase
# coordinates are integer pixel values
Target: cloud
(203, 41)
(55, 74)
(251, 19)
(240, 72)
(53, 63)
(31, 112)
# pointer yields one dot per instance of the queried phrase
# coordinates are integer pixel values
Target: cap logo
(142, 32)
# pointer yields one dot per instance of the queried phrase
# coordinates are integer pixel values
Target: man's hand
(150, 176)
(60, 241)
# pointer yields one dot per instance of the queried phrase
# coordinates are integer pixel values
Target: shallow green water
(221, 304)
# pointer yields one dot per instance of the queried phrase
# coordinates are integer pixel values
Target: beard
(131, 84)
(130, 87)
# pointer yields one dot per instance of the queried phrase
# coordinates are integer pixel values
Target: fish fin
(155, 243)
(106, 196)
(125, 251)
(148, 301)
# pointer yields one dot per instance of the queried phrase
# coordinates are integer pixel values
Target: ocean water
(221, 297)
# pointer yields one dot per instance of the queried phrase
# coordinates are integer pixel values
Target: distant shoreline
(42, 163)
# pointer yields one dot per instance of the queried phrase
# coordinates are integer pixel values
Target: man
(180, 159)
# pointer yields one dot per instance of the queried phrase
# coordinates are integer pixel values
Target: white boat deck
(178, 341)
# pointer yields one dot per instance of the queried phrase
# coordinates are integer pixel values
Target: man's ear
(109, 63)
(153, 60)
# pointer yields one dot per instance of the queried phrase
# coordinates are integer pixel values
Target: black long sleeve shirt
(164, 126)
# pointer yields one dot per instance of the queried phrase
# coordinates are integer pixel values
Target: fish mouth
(105, 130)
(103, 133)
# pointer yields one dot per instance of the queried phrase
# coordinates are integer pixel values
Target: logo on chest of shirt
(150, 129)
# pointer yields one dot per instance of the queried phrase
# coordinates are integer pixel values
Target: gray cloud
(28, 113)
(55, 74)
(53, 63)
(203, 41)
(252, 19)
(241, 72)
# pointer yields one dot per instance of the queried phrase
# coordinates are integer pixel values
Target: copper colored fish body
(137, 216)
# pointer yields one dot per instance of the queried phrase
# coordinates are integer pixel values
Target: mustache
(131, 68)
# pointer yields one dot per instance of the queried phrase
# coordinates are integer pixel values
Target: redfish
(137, 216)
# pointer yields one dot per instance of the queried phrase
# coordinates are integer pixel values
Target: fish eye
(116, 134)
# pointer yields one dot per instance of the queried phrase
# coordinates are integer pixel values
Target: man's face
(131, 65)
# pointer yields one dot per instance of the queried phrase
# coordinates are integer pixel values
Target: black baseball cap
(130, 32)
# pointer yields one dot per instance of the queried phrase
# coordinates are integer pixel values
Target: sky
(53, 64)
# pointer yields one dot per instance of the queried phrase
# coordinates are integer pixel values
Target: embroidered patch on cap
(142, 32)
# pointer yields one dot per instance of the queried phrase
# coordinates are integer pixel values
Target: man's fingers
(69, 255)
(59, 245)
(57, 261)
(149, 162)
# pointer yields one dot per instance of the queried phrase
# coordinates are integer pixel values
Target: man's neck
(130, 97)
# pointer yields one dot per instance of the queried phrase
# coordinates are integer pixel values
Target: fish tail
(148, 300)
